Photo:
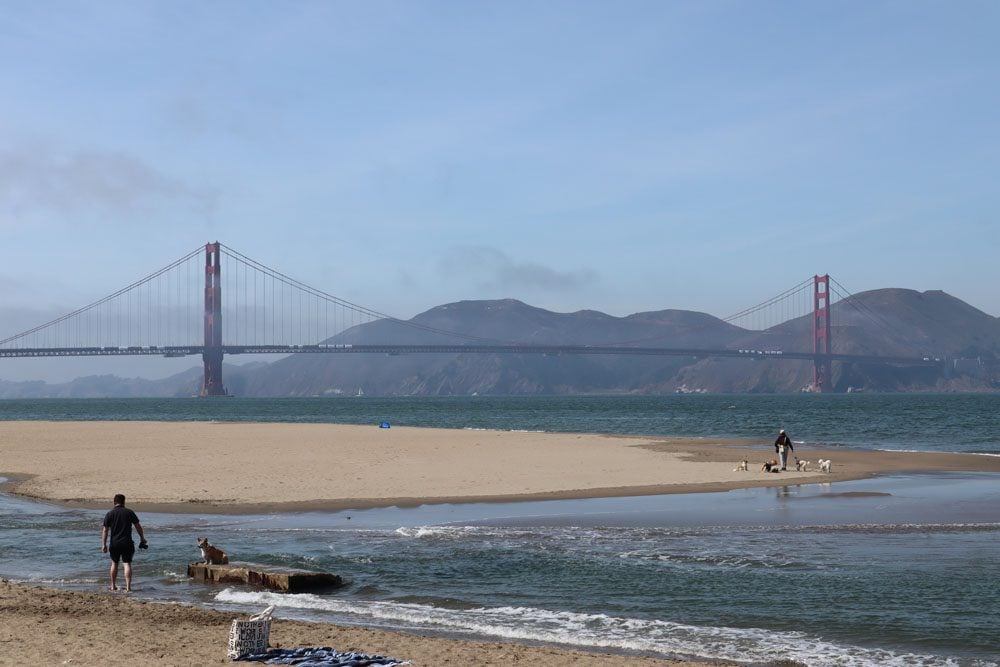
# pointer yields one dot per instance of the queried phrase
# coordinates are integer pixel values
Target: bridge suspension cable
(159, 309)
(166, 309)
(313, 322)
(262, 305)
(792, 303)
(863, 309)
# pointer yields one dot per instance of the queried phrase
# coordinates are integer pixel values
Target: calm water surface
(936, 422)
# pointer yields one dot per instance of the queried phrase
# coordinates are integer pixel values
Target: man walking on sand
(782, 446)
(118, 524)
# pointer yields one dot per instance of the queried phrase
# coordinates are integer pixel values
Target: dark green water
(935, 422)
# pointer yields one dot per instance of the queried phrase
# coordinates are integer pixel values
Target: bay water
(896, 570)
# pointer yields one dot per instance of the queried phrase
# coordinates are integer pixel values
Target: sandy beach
(244, 467)
(240, 467)
(43, 626)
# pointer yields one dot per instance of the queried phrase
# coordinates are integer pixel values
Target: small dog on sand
(824, 465)
(211, 555)
(770, 466)
(801, 466)
(742, 467)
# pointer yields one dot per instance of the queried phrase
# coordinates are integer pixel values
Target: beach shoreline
(258, 468)
(50, 626)
(253, 468)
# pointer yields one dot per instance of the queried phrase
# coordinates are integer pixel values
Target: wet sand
(42, 626)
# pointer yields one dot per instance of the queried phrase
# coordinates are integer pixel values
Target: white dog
(802, 466)
(824, 465)
(742, 467)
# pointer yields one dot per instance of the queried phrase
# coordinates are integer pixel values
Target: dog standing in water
(211, 555)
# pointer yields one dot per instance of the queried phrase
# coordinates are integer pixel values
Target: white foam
(602, 631)
(931, 451)
(59, 581)
(459, 532)
(501, 430)
(434, 531)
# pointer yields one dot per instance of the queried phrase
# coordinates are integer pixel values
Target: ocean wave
(898, 528)
(464, 532)
(900, 450)
(711, 560)
(57, 581)
(664, 638)
(434, 531)
(579, 534)
(671, 545)
(503, 430)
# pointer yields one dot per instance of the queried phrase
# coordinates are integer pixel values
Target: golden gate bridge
(180, 309)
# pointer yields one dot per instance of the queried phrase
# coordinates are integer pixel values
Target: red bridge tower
(212, 356)
(822, 380)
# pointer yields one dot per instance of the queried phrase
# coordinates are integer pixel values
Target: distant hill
(497, 321)
(105, 386)
(885, 322)
(894, 322)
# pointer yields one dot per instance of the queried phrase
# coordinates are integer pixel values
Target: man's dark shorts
(122, 551)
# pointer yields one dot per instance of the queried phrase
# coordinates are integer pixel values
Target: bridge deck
(392, 350)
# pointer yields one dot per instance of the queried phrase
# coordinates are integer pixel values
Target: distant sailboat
(360, 393)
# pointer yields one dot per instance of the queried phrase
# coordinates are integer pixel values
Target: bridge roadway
(393, 350)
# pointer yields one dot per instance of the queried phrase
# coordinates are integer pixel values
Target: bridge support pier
(212, 384)
(822, 379)
(212, 356)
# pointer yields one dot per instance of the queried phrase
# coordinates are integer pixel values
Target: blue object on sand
(321, 656)
(384, 425)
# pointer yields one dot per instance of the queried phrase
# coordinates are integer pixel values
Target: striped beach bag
(250, 636)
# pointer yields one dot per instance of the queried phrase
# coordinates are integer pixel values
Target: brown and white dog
(742, 466)
(211, 555)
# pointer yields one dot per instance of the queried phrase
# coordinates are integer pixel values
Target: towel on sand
(321, 656)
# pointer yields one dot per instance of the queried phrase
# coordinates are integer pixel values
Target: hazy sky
(620, 156)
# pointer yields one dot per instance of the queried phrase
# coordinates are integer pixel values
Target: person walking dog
(782, 446)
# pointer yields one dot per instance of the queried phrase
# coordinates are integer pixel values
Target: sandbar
(262, 467)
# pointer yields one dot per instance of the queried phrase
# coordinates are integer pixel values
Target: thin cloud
(106, 182)
(495, 272)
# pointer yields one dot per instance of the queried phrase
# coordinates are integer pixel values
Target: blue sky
(623, 157)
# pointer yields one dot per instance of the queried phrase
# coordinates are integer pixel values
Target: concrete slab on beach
(287, 580)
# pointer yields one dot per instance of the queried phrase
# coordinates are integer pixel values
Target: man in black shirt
(782, 446)
(118, 524)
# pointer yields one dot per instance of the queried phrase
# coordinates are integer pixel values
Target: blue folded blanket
(321, 656)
